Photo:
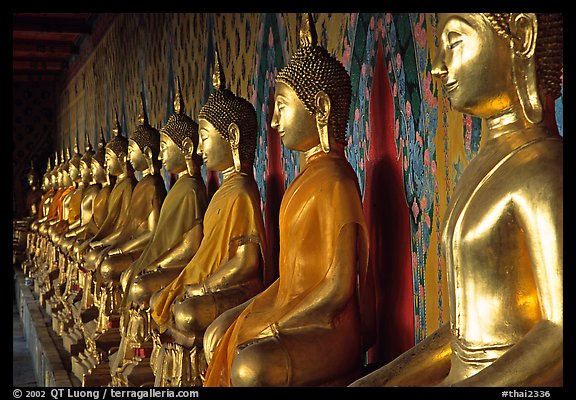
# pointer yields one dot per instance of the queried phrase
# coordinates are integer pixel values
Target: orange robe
(233, 217)
(322, 199)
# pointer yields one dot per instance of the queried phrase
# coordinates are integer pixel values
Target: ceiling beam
(56, 25)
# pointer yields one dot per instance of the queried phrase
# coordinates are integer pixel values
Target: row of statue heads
(501, 236)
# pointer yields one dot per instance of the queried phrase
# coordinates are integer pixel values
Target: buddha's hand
(270, 330)
(96, 245)
(114, 252)
(194, 290)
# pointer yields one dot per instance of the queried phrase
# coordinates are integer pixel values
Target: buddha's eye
(454, 44)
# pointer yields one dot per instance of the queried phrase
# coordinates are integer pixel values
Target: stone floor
(22, 367)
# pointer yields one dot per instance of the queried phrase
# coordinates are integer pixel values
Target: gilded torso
(506, 206)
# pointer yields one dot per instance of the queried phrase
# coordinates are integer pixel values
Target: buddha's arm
(180, 255)
(425, 364)
(321, 304)
(539, 352)
(239, 269)
(139, 242)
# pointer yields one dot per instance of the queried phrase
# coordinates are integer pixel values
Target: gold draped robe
(233, 217)
(99, 213)
(75, 205)
(182, 209)
(48, 196)
(317, 205)
(118, 205)
(147, 198)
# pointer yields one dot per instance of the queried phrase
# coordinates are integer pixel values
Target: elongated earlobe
(524, 28)
(322, 114)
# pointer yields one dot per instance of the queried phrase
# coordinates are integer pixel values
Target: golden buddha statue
(22, 226)
(177, 237)
(72, 292)
(71, 205)
(33, 237)
(313, 325)
(99, 213)
(120, 251)
(502, 234)
(86, 251)
(94, 207)
(34, 195)
(229, 266)
(118, 165)
(57, 213)
(89, 193)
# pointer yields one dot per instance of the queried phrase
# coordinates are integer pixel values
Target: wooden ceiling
(45, 44)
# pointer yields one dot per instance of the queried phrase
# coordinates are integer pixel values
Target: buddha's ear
(524, 30)
(323, 105)
(188, 147)
(234, 135)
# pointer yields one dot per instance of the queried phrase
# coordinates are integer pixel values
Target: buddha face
(113, 163)
(85, 172)
(98, 171)
(295, 125)
(136, 157)
(474, 64)
(214, 149)
(73, 172)
(171, 156)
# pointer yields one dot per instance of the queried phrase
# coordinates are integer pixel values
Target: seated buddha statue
(95, 208)
(117, 165)
(72, 292)
(22, 226)
(116, 217)
(71, 212)
(502, 233)
(229, 266)
(71, 208)
(308, 327)
(176, 239)
(118, 252)
(145, 205)
(89, 193)
(57, 213)
(99, 213)
(33, 237)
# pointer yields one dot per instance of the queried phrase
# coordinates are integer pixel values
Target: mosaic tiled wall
(145, 52)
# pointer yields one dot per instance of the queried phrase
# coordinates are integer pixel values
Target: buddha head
(179, 138)
(117, 152)
(492, 63)
(64, 179)
(86, 161)
(227, 126)
(46, 178)
(74, 163)
(144, 143)
(32, 176)
(98, 164)
(312, 96)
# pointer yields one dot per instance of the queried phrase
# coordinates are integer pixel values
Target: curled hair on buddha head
(224, 108)
(180, 126)
(32, 176)
(549, 50)
(88, 152)
(76, 157)
(100, 155)
(312, 69)
(145, 135)
(118, 144)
